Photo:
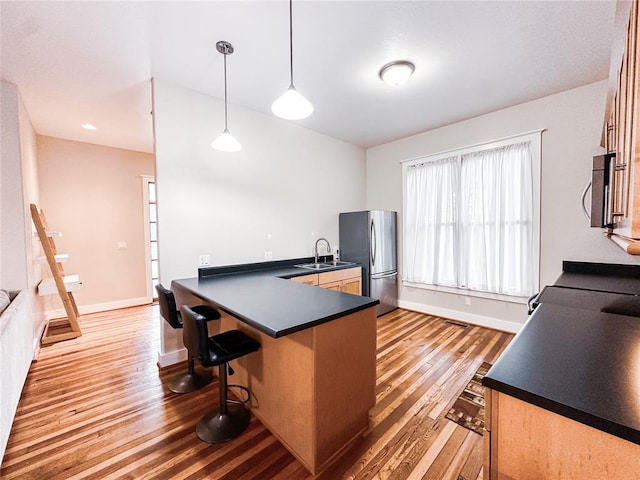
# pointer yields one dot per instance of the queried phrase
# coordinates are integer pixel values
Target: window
(153, 237)
(150, 234)
(470, 218)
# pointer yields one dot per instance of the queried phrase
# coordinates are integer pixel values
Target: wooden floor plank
(473, 462)
(97, 407)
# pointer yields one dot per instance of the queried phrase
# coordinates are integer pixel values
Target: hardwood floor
(96, 407)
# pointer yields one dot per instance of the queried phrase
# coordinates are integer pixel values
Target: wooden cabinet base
(346, 281)
(525, 442)
(312, 389)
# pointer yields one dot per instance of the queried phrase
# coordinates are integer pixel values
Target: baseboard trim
(170, 358)
(99, 307)
(36, 341)
(480, 320)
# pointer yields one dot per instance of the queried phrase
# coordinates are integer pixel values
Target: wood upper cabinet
(621, 128)
(347, 281)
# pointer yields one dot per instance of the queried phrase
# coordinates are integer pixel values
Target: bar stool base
(216, 427)
(190, 382)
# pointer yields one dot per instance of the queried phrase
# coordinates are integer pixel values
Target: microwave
(602, 190)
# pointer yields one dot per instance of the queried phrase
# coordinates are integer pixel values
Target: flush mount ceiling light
(88, 126)
(225, 142)
(291, 105)
(396, 73)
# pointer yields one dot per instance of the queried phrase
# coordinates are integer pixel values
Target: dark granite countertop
(583, 364)
(262, 296)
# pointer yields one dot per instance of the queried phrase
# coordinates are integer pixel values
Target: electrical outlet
(268, 255)
(204, 260)
(467, 301)
(121, 245)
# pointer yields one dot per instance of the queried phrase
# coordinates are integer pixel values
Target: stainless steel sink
(338, 263)
(323, 265)
(314, 266)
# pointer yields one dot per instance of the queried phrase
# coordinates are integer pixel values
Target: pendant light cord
(225, 91)
(291, 39)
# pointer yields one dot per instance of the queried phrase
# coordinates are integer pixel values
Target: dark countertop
(264, 298)
(580, 363)
(602, 277)
(620, 303)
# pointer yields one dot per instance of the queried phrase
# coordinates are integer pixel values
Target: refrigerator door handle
(373, 244)
(385, 275)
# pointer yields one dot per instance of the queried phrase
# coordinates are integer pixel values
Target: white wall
(19, 179)
(573, 121)
(102, 187)
(281, 192)
(31, 194)
(13, 253)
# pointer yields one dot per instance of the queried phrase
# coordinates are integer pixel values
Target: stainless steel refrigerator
(369, 238)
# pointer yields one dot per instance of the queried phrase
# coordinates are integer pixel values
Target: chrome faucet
(316, 248)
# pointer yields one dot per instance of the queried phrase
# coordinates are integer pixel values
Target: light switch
(122, 245)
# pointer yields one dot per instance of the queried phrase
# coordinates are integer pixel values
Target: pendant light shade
(291, 105)
(225, 142)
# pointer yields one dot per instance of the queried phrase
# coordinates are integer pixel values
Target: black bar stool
(192, 380)
(232, 417)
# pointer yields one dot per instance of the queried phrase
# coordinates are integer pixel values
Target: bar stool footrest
(244, 389)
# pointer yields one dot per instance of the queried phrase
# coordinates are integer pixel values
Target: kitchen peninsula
(313, 379)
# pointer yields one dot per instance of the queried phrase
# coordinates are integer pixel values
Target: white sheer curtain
(496, 221)
(431, 239)
(469, 221)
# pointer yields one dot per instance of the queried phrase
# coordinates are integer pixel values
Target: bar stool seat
(192, 380)
(232, 417)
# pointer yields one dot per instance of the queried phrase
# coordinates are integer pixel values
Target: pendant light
(291, 105)
(225, 142)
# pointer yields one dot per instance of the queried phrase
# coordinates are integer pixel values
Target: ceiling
(91, 62)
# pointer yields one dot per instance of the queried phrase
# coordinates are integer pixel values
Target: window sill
(468, 293)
